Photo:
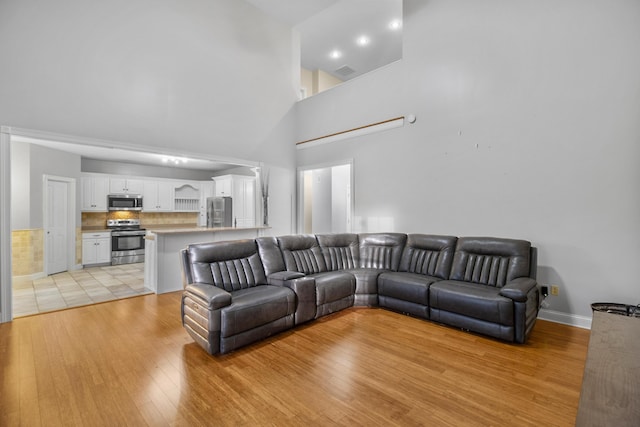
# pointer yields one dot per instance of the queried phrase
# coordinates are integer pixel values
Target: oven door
(127, 247)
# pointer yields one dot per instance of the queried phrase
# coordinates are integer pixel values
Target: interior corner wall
(527, 127)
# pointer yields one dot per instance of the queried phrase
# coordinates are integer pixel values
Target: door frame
(300, 190)
(6, 297)
(71, 220)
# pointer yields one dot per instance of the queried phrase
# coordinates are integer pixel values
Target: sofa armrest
(517, 289)
(305, 289)
(281, 277)
(214, 297)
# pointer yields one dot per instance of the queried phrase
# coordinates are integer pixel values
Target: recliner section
(240, 292)
(425, 260)
(334, 290)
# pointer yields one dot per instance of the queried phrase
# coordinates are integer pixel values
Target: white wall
(340, 190)
(29, 163)
(202, 76)
(321, 201)
(20, 186)
(527, 128)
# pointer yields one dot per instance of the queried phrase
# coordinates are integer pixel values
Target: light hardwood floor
(130, 362)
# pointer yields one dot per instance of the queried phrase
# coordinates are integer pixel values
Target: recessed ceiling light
(335, 54)
(362, 40)
(396, 24)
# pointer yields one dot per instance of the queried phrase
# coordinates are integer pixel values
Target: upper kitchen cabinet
(223, 185)
(119, 185)
(242, 190)
(244, 201)
(157, 196)
(187, 197)
(94, 193)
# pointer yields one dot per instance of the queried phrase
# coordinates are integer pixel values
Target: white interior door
(325, 199)
(56, 236)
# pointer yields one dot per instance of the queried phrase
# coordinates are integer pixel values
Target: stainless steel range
(127, 241)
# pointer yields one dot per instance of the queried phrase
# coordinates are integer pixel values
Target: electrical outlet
(555, 290)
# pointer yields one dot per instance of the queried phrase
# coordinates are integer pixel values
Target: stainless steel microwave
(124, 202)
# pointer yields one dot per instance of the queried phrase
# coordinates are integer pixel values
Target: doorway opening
(325, 195)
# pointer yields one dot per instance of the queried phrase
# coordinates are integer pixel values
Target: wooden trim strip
(349, 130)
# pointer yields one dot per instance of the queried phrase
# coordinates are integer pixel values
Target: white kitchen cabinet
(96, 248)
(244, 203)
(118, 185)
(207, 189)
(157, 196)
(242, 190)
(186, 196)
(94, 190)
(223, 186)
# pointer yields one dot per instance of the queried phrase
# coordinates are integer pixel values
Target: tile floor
(78, 287)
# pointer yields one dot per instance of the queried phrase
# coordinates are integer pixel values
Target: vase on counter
(264, 189)
(265, 211)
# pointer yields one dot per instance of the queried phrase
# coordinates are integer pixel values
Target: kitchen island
(163, 269)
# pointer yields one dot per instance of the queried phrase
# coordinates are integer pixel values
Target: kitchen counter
(174, 229)
(162, 264)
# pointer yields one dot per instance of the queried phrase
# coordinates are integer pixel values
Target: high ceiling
(326, 26)
(292, 12)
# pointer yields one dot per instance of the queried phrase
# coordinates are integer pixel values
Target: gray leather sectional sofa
(240, 292)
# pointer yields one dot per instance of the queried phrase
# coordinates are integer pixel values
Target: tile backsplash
(99, 219)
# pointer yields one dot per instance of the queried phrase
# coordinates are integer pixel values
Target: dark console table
(610, 393)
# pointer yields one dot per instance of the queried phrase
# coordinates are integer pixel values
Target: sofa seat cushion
(256, 306)
(366, 279)
(472, 300)
(333, 286)
(405, 286)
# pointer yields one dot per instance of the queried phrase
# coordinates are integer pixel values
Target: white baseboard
(565, 318)
(40, 275)
(34, 276)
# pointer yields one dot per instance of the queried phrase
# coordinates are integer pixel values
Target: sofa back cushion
(227, 265)
(490, 261)
(270, 254)
(428, 254)
(340, 251)
(302, 253)
(381, 250)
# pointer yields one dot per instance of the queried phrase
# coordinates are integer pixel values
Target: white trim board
(352, 133)
(5, 228)
(565, 318)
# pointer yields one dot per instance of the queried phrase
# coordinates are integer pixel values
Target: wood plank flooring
(130, 362)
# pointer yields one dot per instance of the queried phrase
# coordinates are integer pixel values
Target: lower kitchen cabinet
(96, 248)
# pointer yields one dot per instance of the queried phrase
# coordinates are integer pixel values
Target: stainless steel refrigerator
(219, 212)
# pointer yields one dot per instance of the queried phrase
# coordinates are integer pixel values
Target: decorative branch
(264, 181)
